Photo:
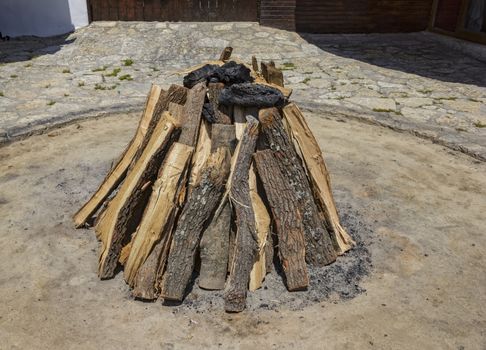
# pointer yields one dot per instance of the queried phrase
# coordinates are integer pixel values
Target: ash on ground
(336, 282)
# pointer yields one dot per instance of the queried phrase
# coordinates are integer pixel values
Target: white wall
(41, 17)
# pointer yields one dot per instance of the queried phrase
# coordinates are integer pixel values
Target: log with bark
(222, 180)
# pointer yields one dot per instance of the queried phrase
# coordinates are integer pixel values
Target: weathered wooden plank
(246, 244)
(272, 74)
(192, 114)
(221, 113)
(318, 175)
(160, 208)
(214, 246)
(201, 203)
(122, 215)
(287, 213)
(119, 171)
(226, 54)
(262, 219)
(319, 248)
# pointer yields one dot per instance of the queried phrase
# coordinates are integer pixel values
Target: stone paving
(408, 82)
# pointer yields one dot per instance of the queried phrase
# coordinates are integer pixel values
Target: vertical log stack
(221, 173)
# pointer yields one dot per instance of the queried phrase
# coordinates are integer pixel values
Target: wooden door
(173, 10)
(448, 14)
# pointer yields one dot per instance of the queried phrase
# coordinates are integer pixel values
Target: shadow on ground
(26, 48)
(410, 53)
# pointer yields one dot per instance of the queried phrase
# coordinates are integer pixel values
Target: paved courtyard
(408, 82)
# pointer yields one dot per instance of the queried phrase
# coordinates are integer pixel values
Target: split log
(287, 212)
(262, 219)
(160, 208)
(319, 247)
(214, 249)
(272, 74)
(200, 205)
(221, 113)
(119, 171)
(239, 115)
(226, 54)
(192, 114)
(254, 64)
(122, 214)
(319, 176)
(214, 246)
(246, 246)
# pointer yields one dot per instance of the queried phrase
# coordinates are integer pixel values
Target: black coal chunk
(229, 73)
(251, 95)
(208, 112)
(199, 75)
(233, 73)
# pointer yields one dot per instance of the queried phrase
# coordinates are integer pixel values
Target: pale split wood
(240, 114)
(119, 170)
(262, 219)
(318, 174)
(192, 114)
(111, 228)
(149, 275)
(162, 203)
(203, 150)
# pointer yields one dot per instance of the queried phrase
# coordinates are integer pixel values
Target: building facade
(461, 18)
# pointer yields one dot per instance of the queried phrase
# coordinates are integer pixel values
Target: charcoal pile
(222, 180)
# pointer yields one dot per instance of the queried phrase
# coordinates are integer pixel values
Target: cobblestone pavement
(409, 82)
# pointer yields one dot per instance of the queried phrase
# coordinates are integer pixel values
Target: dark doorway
(173, 10)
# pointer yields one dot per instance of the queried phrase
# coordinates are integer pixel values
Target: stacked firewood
(222, 174)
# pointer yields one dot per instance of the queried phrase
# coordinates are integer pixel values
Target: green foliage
(114, 73)
(51, 103)
(126, 77)
(128, 62)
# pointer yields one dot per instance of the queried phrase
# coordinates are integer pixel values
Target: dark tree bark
(246, 245)
(192, 114)
(319, 247)
(202, 202)
(286, 211)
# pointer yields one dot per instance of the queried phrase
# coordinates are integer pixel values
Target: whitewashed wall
(41, 17)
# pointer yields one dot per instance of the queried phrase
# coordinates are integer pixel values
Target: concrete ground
(410, 82)
(424, 204)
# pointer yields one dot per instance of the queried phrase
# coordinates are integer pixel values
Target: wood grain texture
(201, 203)
(160, 208)
(192, 114)
(287, 213)
(246, 244)
(120, 169)
(263, 221)
(319, 176)
(122, 215)
(319, 248)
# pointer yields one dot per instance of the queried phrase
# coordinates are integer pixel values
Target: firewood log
(221, 113)
(246, 245)
(226, 54)
(160, 208)
(262, 219)
(319, 248)
(192, 114)
(119, 171)
(122, 215)
(214, 245)
(319, 176)
(272, 74)
(287, 211)
(201, 203)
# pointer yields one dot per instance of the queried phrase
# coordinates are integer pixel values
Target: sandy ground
(426, 288)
